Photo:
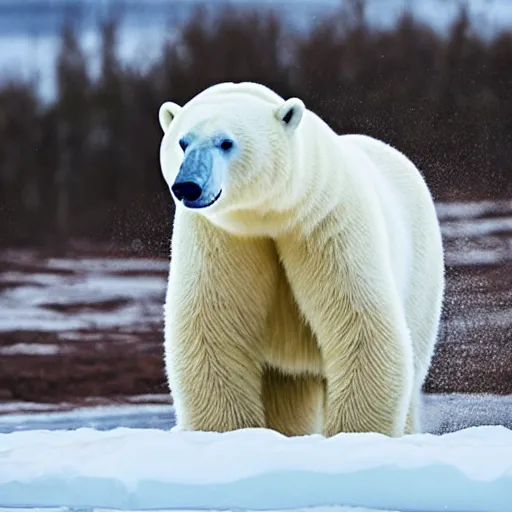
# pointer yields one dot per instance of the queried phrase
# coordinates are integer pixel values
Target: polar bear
(306, 276)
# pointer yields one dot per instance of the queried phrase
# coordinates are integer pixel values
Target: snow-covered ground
(332, 508)
(465, 471)
(476, 233)
(127, 458)
(37, 305)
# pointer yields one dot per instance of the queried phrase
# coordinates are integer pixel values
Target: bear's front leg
(353, 308)
(217, 304)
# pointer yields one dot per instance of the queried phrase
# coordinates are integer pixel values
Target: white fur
(345, 227)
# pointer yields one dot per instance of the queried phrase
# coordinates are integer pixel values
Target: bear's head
(230, 148)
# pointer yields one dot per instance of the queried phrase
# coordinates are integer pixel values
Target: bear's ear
(167, 112)
(290, 112)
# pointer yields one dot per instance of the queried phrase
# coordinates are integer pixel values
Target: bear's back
(243, 88)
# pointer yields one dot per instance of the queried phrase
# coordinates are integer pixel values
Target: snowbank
(304, 509)
(472, 209)
(87, 293)
(465, 471)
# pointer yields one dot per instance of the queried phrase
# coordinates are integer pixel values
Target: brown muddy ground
(474, 352)
(83, 326)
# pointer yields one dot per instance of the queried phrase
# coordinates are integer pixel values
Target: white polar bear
(306, 275)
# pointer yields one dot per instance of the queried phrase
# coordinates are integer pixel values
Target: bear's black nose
(187, 190)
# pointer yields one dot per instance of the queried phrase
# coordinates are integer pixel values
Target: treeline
(87, 166)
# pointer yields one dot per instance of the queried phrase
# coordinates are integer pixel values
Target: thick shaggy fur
(308, 297)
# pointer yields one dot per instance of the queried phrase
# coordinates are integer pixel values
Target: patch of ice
(440, 414)
(471, 257)
(8, 407)
(25, 308)
(31, 349)
(93, 411)
(95, 336)
(471, 209)
(461, 323)
(476, 227)
(87, 289)
(475, 257)
(40, 320)
(109, 264)
(81, 336)
(469, 470)
(449, 412)
(32, 278)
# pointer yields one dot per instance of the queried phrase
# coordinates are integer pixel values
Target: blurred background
(86, 217)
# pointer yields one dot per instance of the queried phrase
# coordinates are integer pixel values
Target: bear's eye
(226, 145)
(183, 144)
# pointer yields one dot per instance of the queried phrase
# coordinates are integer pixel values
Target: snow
(470, 322)
(49, 459)
(476, 256)
(471, 209)
(30, 349)
(304, 509)
(476, 233)
(476, 227)
(95, 336)
(31, 300)
(16, 407)
(464, 471)
(110, 264)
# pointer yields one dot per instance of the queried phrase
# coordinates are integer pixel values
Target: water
(440, 414)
